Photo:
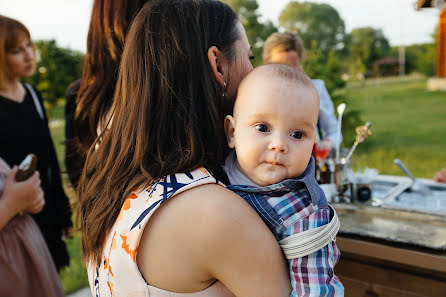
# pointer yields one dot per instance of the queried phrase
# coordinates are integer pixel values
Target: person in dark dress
(24, 129)
(90, 98)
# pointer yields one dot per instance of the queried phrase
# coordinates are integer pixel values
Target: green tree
(313, 64)
(332, 73)
(366, 45)
(56, 68)
(314, 22)
(256, 31)
(356, 68)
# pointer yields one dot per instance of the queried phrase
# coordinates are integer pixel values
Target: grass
(408, 123)
(73, 277)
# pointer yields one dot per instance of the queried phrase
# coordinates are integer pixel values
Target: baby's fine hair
(282, 72)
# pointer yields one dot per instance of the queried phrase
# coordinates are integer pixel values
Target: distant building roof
(386, 61)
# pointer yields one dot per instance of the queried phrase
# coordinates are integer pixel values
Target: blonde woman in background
(24, 129)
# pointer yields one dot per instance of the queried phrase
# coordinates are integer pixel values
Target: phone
(26, 168)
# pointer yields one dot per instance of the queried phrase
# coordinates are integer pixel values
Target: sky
(67, 20)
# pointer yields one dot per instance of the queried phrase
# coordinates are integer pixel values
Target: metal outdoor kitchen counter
(392, 232)
(387, 249)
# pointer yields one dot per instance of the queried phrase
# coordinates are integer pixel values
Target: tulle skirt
(26, 266)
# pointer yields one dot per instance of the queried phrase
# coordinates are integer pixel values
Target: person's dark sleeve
(74, 160)
(63, 207)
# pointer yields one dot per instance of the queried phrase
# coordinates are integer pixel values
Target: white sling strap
(307, 242)
(36, 101)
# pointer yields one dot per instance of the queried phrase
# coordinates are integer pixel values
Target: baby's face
(273, 129)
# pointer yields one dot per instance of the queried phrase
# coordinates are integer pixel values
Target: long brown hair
(11, 32)
(167, 111)
(109, 23)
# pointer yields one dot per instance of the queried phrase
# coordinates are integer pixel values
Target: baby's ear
(229, 131)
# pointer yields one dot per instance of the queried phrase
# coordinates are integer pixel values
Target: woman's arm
(209, 233)
(20, 196)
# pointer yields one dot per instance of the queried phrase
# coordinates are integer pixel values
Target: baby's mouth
(274, 162)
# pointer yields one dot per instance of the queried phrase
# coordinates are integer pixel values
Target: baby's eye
(262, 128)
(297, 134)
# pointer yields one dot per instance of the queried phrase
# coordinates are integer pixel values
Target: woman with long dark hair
(154, 219)
(89, 99)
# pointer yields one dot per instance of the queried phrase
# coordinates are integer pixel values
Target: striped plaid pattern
(288, 208)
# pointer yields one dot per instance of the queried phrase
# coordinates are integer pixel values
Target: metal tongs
(416, 185)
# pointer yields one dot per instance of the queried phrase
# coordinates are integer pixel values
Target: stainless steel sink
(394, 192)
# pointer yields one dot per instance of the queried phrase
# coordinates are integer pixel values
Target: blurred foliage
(316, 22)
(365, 46)
(257, 32)
(320, 26)
(56, 68)
(333, 81)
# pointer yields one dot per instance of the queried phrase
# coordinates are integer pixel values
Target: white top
(4, 172)
(118, 274)
(328, 122)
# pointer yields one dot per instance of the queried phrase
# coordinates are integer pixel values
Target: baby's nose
(278, 143)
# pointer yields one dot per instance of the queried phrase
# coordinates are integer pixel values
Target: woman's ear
(229, 131)
(215, 60)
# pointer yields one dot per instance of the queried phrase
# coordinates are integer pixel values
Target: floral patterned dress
(118, 274)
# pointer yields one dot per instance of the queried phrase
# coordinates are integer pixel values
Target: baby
(272, 131)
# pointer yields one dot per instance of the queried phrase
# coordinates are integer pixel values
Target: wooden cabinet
(370, 269)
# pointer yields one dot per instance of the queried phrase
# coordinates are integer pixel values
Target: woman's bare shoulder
(217, 235)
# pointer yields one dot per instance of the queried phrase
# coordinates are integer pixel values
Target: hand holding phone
(26, 168)
(26, 195)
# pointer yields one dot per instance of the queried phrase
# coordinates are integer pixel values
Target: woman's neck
(13, 90)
